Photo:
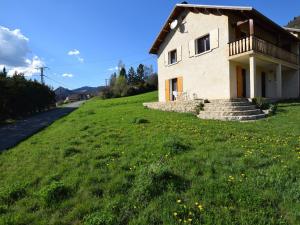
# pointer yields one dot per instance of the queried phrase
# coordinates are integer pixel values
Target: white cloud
(14, 53)
(14, 47)
(113, 69)
(80, 59)
(29, 69)
(74, 52)
(69, 75)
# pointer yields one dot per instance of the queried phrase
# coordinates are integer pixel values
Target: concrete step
(232, 118)
(225, 104)
(229, 100)
(231, 113)
(228, 108)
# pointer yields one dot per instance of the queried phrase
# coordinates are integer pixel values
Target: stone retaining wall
(176, 106)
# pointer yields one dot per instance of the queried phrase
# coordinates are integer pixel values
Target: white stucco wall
(290, 84)
(206, 75)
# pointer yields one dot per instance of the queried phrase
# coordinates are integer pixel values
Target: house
(225, 52)
(76, 97)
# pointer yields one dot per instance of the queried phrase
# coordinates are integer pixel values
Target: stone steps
(218, 104)
(232, 118)
(228, 108)
(232, 113)
(228, 100)
(231, 110)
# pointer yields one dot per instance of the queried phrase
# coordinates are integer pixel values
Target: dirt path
(11, 135)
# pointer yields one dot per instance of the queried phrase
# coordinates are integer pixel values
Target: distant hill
(295, 23)
(62, 93)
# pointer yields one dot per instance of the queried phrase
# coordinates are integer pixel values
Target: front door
(263, 84)
(241, 82)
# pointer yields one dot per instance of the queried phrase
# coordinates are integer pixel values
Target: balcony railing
(261, 46)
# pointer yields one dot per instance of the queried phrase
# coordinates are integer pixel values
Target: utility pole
(42, 68)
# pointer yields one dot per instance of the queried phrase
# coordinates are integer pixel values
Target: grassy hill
(114, 162)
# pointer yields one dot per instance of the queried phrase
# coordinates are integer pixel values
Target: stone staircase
(231, 110)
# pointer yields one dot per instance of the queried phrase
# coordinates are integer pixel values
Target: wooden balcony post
(279, 81)
(251, 27)
(252, 64)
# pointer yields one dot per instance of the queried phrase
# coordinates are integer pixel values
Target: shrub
(273, 109)
(54, 193)
(21, 97)
(139, 121)
(175, 145)
(261, 103)
(199, 108)
(99, 219)
(71, 151)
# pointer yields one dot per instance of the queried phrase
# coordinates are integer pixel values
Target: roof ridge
(217, 6)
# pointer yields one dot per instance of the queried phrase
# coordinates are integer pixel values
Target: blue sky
(103, 32)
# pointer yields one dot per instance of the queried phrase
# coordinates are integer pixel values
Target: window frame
(197, 53)
(170, 59)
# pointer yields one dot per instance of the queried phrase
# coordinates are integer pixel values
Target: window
(172, 57)
(202, 44)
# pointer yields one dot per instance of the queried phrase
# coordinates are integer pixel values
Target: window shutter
(179, 54)
(192, 48)
(166, 58)
(167, 90)
(214, 38)
(180, 85)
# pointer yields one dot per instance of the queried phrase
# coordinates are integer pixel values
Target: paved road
(11, 135)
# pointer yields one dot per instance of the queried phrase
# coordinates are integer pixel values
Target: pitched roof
(247, 11)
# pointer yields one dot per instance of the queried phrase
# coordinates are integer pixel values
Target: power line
(58, 82)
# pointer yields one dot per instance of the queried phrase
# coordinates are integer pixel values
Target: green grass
(114, 162)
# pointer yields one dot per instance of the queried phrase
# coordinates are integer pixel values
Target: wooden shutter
(167, 90)
(214, 38)
(192, 48)
(179, 54)
(180, 85)
(166, 58)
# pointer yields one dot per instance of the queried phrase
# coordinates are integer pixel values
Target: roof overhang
(249, 12)
(292, 29)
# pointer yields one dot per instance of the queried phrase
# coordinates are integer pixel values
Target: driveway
(11, 135)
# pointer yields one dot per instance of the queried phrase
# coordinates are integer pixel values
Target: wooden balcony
(258, 45)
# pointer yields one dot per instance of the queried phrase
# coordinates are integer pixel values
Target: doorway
(241, 82)
(174, 89)
(263, 84)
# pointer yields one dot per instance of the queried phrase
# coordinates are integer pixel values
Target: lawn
(115, 162)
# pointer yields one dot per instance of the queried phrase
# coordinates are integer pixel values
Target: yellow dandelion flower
(200, 207)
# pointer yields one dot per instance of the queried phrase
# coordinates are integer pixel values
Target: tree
(112, 79)
(148, 71)
(123, 73)
(120, 87)
(3, 73)
(121, 65)
(131, 76)
(140, 74)
(152, 81)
